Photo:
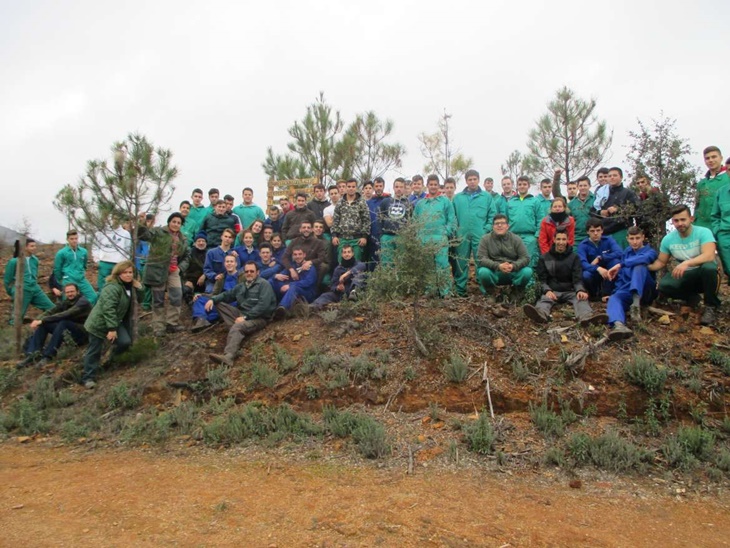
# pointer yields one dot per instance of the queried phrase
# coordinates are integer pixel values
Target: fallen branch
(578, 358)
(394, 396)
(419, 344)
(410, 461)
(659, 311)
(489, 392)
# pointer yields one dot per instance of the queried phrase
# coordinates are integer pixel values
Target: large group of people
(237, 265)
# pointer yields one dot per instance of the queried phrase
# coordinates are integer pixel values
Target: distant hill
(8, 235)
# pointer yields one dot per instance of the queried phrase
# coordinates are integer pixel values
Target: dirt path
(69, 497)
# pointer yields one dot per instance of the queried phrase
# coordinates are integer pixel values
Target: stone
(664, 320)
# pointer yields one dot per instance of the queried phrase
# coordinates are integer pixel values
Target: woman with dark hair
(32, 292)
(110, 319)
(168, 258)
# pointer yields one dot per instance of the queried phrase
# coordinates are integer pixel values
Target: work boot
(595, 319)
(225, 359)
(353, 296)
(709, 315)
(619, 332)
(537, 316)
(43, 362)
(635, 314)
(280, 313)
(90, 385)
(199, 325)
(25, 362)
(169, 328)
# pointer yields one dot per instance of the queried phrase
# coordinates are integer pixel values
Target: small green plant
(520, 372)
(725, 424)
(453, 451)
(218, 378)
(434, 412)
(720, 359)
(480, 435)
(330, 316)
(608, 452)
(263, 375)
(370, 438)
(698, 413)
(409, 373)
(284, 361)
(143, 349)
(80, 425)
(722, 460)
(25, 417)
(643, 372)
(68, 348)
(547, 421)
(688, 446)
(184, 417)
(9, 379)
(122, 397)
(622, 413)
(456, 368)
(555, 456)
(312, 392)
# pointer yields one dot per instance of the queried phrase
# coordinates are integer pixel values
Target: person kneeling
(254, 303)
(502, 257)
(299, 283)
(560, 274)
(204, 318)
(346, 281)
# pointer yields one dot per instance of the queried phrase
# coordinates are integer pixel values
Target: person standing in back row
(69, 266)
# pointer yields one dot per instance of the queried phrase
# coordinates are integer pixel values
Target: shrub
(456, 368)
(79, 426)
(480, 435)
(608, 452)
(688, 446)
(121, 397)
(720, 359)
(143, 349)
(263, 375)
(284, 361)
(547, 421)
(644, 373)
(255, 421)
(9, 379)
(25, 417)
(368, 434)
(217, 378)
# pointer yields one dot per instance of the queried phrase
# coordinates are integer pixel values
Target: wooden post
(18, 311)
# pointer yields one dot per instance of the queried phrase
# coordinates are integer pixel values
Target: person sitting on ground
(203, 318)
(255, 303)
(319, 229)
(214, 259)
(635, 284)
(194, 276)
(270, 267)
(215, 223)
(247, 250)
(298, 283)
(560, 276)
(314, 248)
(598, 254)
(502, 257)
(70, 264)
(559, 218)
(32, 292)
(68, 316)
(347, 280)
(109, 320)
(693, 247)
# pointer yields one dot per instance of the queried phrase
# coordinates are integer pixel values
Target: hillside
(654, 404)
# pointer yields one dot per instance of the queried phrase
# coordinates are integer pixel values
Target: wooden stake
(18, 312)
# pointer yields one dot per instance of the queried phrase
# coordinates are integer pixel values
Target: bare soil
(69, 497)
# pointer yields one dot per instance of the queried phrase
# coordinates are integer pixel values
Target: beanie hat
(200, 235)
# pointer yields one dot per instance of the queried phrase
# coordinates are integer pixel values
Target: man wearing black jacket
(619, 209)
(561, 277)
(194, 278)
(67, 316)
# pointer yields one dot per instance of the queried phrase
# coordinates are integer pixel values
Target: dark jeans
(92, 357)
(704, 279)
(56, 330)
(237, 331)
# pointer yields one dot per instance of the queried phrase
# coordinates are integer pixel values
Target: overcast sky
(218, 82)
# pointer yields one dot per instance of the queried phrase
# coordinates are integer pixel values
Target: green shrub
(339, 423)
(143, 349)
(688, 446)
(555, 456)
(217, 378)
(9, 379)
(122, 397)
(25, 417)
(720, 359)
(480, 435)
(263, 375)
(255, 421)
(608, 452)
(643, 372)
(547, 421)
(520, 372)
(371, 439)
(80, 425)
(284, 361)
(456, 368)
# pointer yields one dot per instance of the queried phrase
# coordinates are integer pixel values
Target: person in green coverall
(544, 200)
(197, 214)
(580, 208)
(474, 209)
(500, 202)
(715, 179)
(32, 292)
(523, 218)
(70, 266)
(436, 213)
(248, 211)
(721, 226)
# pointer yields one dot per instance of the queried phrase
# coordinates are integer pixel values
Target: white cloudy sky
(218, 82)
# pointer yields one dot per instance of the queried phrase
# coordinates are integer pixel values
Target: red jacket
(548, 228)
